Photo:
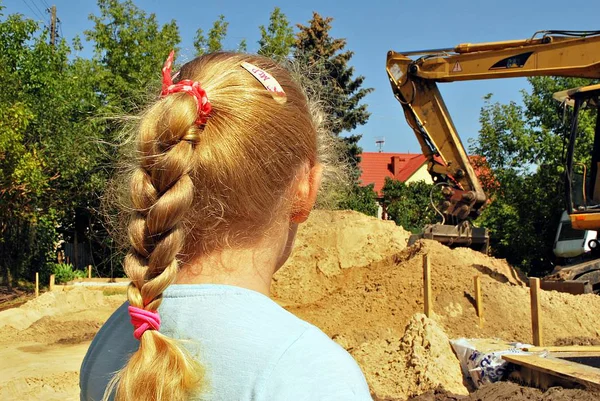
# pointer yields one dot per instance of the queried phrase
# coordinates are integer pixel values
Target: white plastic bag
(483, 367)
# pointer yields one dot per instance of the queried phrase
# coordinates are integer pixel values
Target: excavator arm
(414, 83)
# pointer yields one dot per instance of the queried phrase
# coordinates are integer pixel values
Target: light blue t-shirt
(250, 347)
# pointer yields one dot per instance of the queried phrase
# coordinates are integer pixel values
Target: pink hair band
(143, 320)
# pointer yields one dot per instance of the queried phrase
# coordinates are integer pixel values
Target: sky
(371, 29)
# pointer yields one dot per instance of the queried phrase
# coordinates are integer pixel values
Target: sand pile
(375, 301)
(48, 387)
(366, 308)
(420, 361)
(65, 300)
(68, 315)
(43, 342)
(330, 243)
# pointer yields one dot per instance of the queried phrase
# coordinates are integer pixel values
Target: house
(405, 167)
(409, 167)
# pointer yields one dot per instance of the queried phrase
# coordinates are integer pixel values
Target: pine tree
(325, 60)
(324, 55)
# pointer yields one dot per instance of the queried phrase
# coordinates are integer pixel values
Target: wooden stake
(427, 286)
(52, 280)
(479, 299)
(536, 318)
(37, 284)
(90, 271)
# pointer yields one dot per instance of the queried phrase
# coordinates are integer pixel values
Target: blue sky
(371, 29)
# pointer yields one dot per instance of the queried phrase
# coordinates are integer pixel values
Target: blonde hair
(199, 189)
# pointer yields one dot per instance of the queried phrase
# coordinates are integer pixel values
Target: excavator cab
(582, 180)
(576, 245)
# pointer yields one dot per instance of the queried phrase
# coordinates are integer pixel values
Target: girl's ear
(307, 188)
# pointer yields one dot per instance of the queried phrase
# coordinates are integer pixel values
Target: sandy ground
(352, 276)
(42, 343)
(36, 371)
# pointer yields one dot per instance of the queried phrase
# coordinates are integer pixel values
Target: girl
(227, 167)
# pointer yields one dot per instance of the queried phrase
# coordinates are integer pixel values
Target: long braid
(161, 195)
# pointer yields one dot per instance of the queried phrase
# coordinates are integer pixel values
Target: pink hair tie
(187, 86)
(143, 320)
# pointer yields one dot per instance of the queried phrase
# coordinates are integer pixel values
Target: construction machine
(414, 76)
(577, 242)
(572, 246)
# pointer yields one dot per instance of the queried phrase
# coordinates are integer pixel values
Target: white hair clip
(268, 81)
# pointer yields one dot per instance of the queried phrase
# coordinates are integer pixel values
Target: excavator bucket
(462, 235)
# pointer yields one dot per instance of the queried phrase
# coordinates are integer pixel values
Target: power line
(36, 7)
(33, 11)
(45, 4)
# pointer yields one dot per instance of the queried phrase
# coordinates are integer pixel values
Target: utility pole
(53, 25)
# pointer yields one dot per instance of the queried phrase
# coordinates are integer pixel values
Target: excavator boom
(414, 83)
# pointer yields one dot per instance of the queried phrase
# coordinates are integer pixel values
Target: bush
(361, 199)
(410, 205)
(64, 273)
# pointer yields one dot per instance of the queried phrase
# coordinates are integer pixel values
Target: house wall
(421, 175)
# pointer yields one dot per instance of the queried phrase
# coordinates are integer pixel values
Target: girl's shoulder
(315, 367)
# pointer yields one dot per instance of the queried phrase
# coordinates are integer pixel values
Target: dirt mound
(419, 361)
(51, 330)
(64, 316)
(504, 391)
(377, 300)
(67, 300)
(13, 298)
(42, 343)
(328, 244)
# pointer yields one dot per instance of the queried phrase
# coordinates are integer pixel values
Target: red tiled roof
(411, 167)
(376, 166)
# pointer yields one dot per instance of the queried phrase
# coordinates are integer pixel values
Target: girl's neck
(247, 268)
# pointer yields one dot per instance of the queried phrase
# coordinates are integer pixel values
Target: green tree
(130, 47)
(22, 182)
(410, 205)
(54, 154)
(324, 64)
(214, 41)
(46, 160)
(277, 39)
(362, 199)
(525, 146)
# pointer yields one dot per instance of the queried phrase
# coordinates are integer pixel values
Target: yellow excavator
(414, 76)
(577, 234)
